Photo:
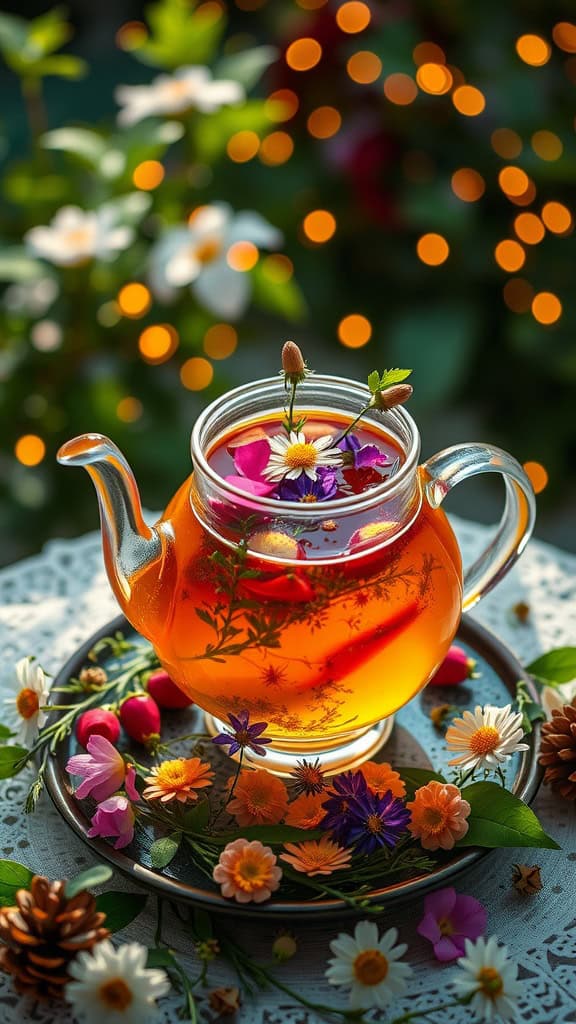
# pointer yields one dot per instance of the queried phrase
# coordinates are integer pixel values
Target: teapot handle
(452, 465)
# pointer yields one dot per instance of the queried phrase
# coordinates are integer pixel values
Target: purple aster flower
(376, 821)
(363, 454)
(346, 788)
(244, 735)
(449, 919)
(307, 490)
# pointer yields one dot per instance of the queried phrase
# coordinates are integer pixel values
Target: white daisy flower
(555, 697)
(189, 87)
(290, 456)
(22, 711)
(368, 966)
(485, 739)
(114, 985)
(491, 978)
(196, 255)
(75, 236)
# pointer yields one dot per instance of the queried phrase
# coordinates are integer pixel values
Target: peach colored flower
(306, 811)
(382, 778)
(247, 871)
(438, 815)
(260, 798)
(178, 780)
(316, 857)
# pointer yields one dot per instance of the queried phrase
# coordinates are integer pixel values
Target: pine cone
(43, 933)
(558, 751)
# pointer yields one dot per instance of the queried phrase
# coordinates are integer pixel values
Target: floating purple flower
(376, 821)
(306, 490)
(244, 735)
(449, 919)
(347, 788)
(363, 454)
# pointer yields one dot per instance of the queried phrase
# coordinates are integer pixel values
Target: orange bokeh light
(30, 449)
(354, 330)
(353, 16)
(427, 52)
(148, 175)
(506, 143)
(435, 79)
(364, 67)
(509, 255)
(276, 149)
(196, 373)
(468, 100)
(400, 89)
(547, 145)
(537, 475)
(134, 300)
(277, 268)
(303, 54)
(518, 294)
(220, 341)
(533, 50)
(324, 122)
(564, 35)
(432, 249)
(242, 256)
(513, 181)
(468, 184)
(157, 343)
(529, 228)
(131, 35)
(546, 308)
(129, 409)
(281, 105)
(319, 226)
(557, 218)
(242, 146)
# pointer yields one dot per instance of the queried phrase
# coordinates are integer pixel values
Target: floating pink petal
(102, 768)
(259, 488)
(114, 818)
(251, 459)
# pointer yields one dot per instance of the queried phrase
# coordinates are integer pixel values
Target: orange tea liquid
(315, 647)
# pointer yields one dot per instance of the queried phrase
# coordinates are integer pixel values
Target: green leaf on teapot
(498, 819)
(556, 667)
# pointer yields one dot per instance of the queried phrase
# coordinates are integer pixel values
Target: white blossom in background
(196, 255)
(188, 88)
(114, 985)
(22, 710)
(75, 236)
(31, 297)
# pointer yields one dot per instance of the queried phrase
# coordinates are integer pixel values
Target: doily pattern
(51, 603)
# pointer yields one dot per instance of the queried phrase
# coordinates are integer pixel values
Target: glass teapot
(320, 618)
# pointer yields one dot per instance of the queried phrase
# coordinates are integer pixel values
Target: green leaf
(374, 381)
(63, 65)
(5, 732)
(212, 131)
(9, 758)
(13, 34)
(121, 908)
(80, 142)
(197, 817)
(159, 957)
(498, 818)
(277, 834)
(164, 850)
(47, 33)
(128, 209)
(282, 297)
(95, 875)
(556, 667)
(179, 35)
(416, 777)
(394, 376)
(247, 66)
(13, 876)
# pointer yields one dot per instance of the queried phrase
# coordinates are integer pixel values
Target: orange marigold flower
(248, 872)
(316, 857)
(306, 811)
(438, 815)
(382, 778)
(178, 780)
(260, 798)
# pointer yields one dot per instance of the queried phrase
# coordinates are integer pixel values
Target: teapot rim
(373, 496)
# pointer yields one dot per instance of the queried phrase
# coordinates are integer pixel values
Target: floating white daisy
(196, 255)
(368, 965)
(75, 236)
(114, 985)
(491, 978)
(290, 456)
(188, 88)
(485, 739)
(22, 711)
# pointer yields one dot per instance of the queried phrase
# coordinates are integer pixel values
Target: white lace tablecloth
(52, 603)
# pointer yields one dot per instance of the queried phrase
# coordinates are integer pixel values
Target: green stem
(424, 1013)
(181, 739)
(353, 424)
(291, 407)
(35, 109)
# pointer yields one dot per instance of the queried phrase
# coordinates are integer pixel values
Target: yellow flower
(178, 780)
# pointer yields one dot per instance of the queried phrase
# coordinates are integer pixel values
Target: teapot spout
(130, 547)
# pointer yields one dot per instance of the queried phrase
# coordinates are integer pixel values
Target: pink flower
(114, 817)
(103, 769)
(449, 919)
(250, 461)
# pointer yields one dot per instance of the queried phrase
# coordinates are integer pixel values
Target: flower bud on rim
(293, 365)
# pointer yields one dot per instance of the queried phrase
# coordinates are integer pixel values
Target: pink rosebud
(97, 722)
(455, 668)
(140, 717)
(165, 692)
(114, 818)
(102, 768)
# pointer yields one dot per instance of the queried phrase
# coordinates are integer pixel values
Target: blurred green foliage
(385, 175)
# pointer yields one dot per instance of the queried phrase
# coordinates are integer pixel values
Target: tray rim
(525, 787)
